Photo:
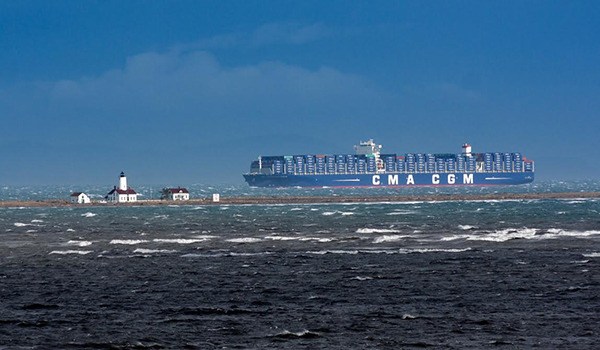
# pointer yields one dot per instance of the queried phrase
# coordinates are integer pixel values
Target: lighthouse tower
(123, 182)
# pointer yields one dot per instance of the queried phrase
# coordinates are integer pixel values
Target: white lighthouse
(122, 193)
(123, 182)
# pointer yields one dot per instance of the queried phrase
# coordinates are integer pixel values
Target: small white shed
(80, 197)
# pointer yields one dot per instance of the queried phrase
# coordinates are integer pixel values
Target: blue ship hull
(389, 179)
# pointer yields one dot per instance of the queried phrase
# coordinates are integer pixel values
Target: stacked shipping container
(392, 163)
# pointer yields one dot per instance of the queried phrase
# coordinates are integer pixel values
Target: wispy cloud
(288, 33)
(193, 88)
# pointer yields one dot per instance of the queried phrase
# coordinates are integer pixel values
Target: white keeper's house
(176, 194)
(80, 197)
(123, 193)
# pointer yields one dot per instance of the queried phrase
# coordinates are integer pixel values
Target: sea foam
(180, 240)
(64, 252)
(128, 241)
(389, 238)
(153, 251)
(244, 240)
(79, 243)
(376, 230)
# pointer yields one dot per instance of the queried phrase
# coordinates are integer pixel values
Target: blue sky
(181, 92)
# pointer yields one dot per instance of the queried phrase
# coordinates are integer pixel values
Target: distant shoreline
(257, 200)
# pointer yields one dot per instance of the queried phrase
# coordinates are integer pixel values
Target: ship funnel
(466, 149)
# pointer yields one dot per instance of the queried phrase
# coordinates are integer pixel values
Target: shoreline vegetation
(258, 200)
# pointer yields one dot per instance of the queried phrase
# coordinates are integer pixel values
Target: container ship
(368, 167)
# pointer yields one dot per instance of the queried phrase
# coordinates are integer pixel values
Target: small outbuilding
(80, 197)
(176, 194)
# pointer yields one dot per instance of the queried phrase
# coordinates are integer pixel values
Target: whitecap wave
(362, 278)
(592, 255)
(88, 215)
(388, 251)
(128, 241)
(318, 239)
(403, 212)
(558, 233)
(244, 240)
(337, 251)
(376, 230)
(79, 243)
(180, 240)
(282, 238)
(21, 224)
(153, 251)
(496, 236)
(466, 227)
(249, 254)
(302, 238)
(64, 252)
(434, 250)
(389, 238)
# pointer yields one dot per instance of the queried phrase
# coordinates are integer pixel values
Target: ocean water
(459, 274)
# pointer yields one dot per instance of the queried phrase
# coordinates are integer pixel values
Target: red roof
(127, 191)
(177, 190)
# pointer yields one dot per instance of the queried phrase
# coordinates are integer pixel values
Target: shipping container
(320, 167)
(400, 165)
(289, 165)
(351, 164)
(451, 165)
(371, 164)
(440, 165)
(517, 157)
(471, 164)
(361, 166)
(278, 166)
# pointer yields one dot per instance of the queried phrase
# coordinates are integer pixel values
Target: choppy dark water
(458, 275)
